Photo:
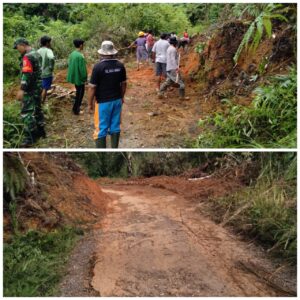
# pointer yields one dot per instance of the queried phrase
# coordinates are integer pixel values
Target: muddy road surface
(154, 243)
(147, 121)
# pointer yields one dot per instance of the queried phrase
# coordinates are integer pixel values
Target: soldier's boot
(41, 133)
(182, 95)
(101, 143)
(114, 139)
(28, 141)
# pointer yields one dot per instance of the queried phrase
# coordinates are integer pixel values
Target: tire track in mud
(154, 243)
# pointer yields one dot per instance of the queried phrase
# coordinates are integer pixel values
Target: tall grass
(13, 128)
(267, 210)
(34, 262)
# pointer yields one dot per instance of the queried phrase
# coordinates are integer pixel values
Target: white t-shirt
(172, 58)
(160, 48)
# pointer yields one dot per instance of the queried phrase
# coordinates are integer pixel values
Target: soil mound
(226, 79)
(195, 189)
(59, 193)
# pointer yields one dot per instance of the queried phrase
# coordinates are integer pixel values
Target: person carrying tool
(47, 65)
(108, 86)
(30, 93)
(159, 54)
(77, 74)
(141, 51)
(173, 75)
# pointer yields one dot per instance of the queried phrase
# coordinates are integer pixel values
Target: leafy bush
(140, 164)
(33, 262)
(169, 163)
(15, 26)
(270, 121)
(91, 22)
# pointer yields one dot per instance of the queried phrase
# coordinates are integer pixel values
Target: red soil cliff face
(59, 194)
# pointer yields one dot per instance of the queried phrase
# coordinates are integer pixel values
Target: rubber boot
(114, 138)
(101, 143)
(181, 93)
(41, 133)
(28, 141)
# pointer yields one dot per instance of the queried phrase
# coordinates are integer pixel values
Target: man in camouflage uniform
(30, 92)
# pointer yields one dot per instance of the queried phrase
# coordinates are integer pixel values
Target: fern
(261, 24)
(14, 176)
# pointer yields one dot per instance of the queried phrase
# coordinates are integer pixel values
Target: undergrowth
(13, 127)
(270, 121)
(34, 262)
(266, 210)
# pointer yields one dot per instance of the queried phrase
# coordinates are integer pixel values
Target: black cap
(20, 41)
(173, 41)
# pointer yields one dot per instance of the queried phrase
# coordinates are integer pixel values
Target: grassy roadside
(265, 211)
(34, 262)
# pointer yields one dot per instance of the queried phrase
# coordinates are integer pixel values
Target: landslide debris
(57, 193)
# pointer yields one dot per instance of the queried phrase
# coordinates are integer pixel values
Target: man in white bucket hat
(108, 86)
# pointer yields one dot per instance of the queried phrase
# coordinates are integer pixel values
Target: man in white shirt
(159, 51)
(172, 68)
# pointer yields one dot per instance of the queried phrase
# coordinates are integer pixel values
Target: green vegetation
(126, 164)
(14, 182)
(33, 262)
(256, 29)
(270, 121)
(267, 209)
(91, 22)
(12, 125)
(14, 176)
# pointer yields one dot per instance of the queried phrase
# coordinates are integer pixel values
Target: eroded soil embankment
(154, 243)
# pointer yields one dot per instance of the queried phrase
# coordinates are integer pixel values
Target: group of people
(165, 56)
(107, 85)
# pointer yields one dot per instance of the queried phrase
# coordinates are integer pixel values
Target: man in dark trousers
(173, 75)
(77, 73)
(30, 93)
(108, 86)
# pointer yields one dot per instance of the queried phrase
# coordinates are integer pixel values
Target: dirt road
(153, 243)
(147, 122)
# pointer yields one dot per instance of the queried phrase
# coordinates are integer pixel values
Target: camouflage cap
(20, 41)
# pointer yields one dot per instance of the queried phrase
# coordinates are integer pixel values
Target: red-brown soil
(59, 194)
(154, 242)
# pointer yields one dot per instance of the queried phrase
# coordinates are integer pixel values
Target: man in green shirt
(47, 65)
(77, 73)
